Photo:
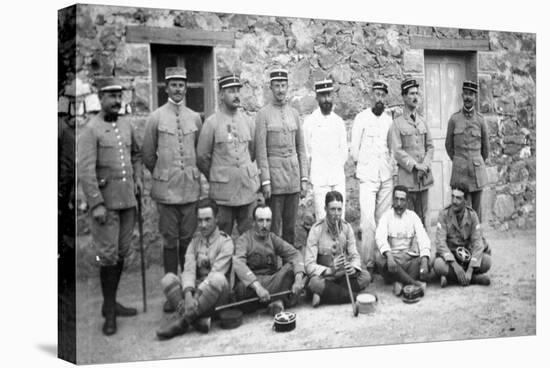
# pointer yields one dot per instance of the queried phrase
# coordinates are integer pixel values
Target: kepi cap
(325, 85)
(278, 75)
(380, 85)
(469, 85)
(227, 81)
(109, 84)
(175, 72)
(408, 83)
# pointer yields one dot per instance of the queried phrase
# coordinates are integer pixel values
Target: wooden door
(444, 77)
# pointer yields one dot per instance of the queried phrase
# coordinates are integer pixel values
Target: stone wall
(354, 54)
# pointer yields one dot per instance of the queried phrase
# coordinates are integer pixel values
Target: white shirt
(397, 234)
(370, 146)
(326, 143)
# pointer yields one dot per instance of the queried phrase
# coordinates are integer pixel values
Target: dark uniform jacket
(171, 135)
(254, 256)
(205, 255)
(322, 248)
(280, 148)
(412, 144)
(225, 155)
(451, 235)
(467, 144)
(109, 159)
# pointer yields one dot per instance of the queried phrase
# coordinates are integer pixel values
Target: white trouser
(319, 193)
(375, 198)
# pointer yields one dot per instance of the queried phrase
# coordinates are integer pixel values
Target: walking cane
(140, 228)
(353, 304)
(250, 300)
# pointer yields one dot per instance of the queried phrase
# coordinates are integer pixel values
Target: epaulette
(222, 233)
(319, 222)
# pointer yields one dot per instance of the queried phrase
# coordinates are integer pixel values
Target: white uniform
(370, 144)
(327, 151)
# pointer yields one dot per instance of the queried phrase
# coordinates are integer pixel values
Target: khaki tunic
(412, 144)
(109, 159)
(257, 257)
(322, 248)
(451, 235)
(205, 256)
(467, 144)
(225, 155)
(169, 142)
(280, 149)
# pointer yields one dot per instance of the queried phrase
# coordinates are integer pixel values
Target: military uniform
(255, 259)
(206, 271)
(171, 134)
(109, 164)
(108, 160)
(370, 149)
(281, 158)
(225, 155)
(322, 248)
(411, 144)
(451, 234)
(467, 144)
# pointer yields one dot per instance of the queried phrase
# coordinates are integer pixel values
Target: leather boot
(170, 260)
(120, 310)
(108, 277)
(182, 249)
(177, 325)
(481, 279)
(202, 324)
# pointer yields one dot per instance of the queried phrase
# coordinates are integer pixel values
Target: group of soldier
(282, 158)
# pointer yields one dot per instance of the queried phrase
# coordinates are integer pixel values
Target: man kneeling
(204, 282)
(460, 256)
(404, 244)
(331, 253)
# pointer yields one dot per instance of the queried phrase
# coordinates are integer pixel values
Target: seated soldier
(203, 284)
(255, 265)
(330, 253)
(460, 253)
(403, 244)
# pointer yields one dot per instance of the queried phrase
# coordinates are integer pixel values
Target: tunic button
(120, 143)
(123, 172)
(123, 179)
(123, 164)
(116, 130)
(122, 157)
(114, 125)
(120, 150)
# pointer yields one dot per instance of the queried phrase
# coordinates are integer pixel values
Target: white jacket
(326, 148)
(370, 146)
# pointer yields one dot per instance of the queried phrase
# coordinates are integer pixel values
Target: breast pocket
(108, 146)
(409, 138)
(475, 139)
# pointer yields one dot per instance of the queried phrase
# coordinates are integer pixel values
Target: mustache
(237, 100)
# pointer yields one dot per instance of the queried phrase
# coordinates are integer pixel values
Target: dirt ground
(505, 308)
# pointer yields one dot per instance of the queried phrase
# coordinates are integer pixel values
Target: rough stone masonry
(353, 53)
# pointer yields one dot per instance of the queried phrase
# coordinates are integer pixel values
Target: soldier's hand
(422, 168)
(261, 292)
(191, 305)
(460, 274)
(338, 262)
(138, 187)
(350, 270)
(266, 190)
(303, 188)
(392, 265)
(298, 285)
(424, 270)
(99, 214)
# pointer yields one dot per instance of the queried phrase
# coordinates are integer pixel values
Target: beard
(326, 108)
(378, 108)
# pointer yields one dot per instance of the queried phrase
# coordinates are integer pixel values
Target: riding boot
(120, 310)
(170, 260)
(108, 277)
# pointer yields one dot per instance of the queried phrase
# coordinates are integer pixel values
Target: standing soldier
(370, 150)
(326, 148)
(413, 149)
(467, 144)
(225, 155)
(281, 157)
(171, 135)
(109, 169)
